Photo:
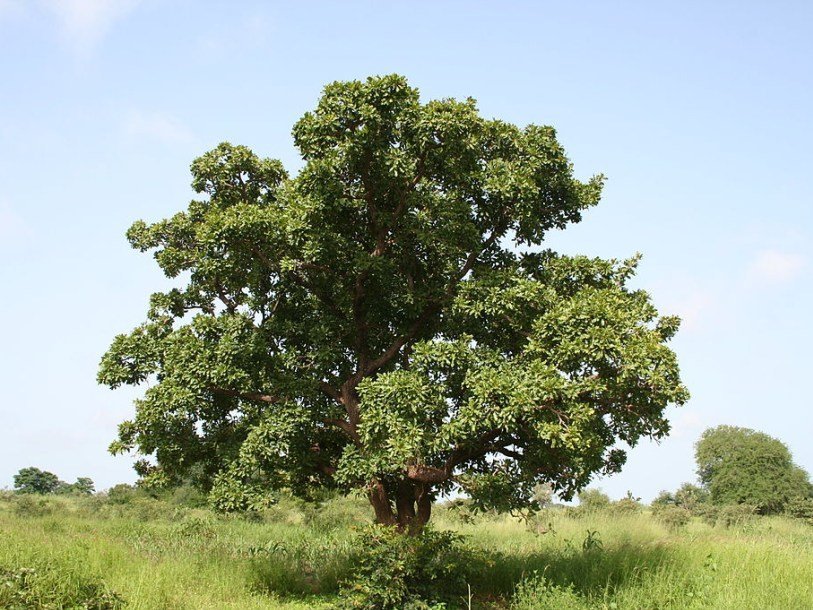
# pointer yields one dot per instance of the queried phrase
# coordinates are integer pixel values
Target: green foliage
(300, 568)
(123, 493)
(385, 319)
(672, 516)
(193, 559)
(664, 498)
(83, 486)
(801, 508)
(391, 571)
(32, 506)
(742, 466)
(23, 588)
(732, 515)
(691, 497)
(628, 504)
(593, 500)
(34, 480)
(537, 593)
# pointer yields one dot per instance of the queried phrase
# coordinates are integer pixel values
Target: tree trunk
(413, 506)
(381, 504)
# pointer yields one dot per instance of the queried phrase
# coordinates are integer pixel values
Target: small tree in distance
(386, 321)
(743, 466)
(34, 480)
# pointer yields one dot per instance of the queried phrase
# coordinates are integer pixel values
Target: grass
(149, 554)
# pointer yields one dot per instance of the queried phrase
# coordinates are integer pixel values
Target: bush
(123, 493)
(25, 587)
(691, 497)
(628, 505)
(593, 500)
(801, 508)
(393, 571)
(673, 517)
(735, 514)
(664, 498)
(30, 505)
(537, 593)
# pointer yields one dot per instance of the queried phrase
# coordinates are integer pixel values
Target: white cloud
(156, 126)
(775, 267)
(84, 23)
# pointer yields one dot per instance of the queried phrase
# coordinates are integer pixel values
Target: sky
(697, 112)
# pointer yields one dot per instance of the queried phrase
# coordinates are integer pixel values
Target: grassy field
(150, 554)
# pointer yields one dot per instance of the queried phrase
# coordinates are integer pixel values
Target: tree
(34, 480)
(743, 466)
(385, 320)
(83, 486)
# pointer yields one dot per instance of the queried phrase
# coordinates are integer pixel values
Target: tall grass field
(147, 554)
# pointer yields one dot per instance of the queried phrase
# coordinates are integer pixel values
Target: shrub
(393, 571)
(735, 514)
(187, 496)
(801, 508)
(691, 496)
(664, 498)
(123, 493)
(537, 593)
(593, 500)
(25, 587)
(28, 505)
(629, 504)
(673, 517)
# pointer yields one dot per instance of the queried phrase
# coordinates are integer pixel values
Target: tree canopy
(743, 466)
(34, 480)
(386, 320)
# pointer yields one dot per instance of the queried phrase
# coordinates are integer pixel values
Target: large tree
(32, 480)
(386, 320)
(744, 466)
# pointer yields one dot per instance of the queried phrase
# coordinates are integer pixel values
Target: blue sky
(698, 113)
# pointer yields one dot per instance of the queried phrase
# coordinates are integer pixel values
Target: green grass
(156, 555)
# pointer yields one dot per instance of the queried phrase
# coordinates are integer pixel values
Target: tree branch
(344, 426)
(427, 313)
(255, 396)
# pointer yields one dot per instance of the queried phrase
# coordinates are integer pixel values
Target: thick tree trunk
(381, 504)
(413, 506)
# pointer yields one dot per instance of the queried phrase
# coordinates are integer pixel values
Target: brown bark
(424, 501)
(413, 506)
(381, 504)
(405, 506)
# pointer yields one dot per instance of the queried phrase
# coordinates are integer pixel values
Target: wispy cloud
(156, 126)
(775, 267)
(84, 23)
